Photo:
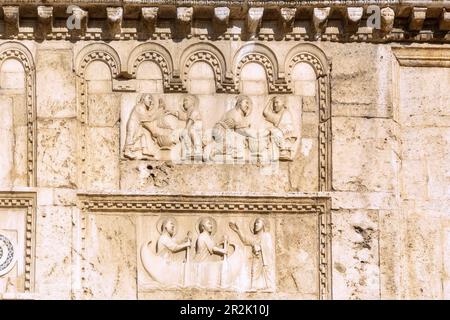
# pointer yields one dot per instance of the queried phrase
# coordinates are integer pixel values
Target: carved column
(220, 19)
(11, 17)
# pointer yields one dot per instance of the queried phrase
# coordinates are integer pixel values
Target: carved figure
(166, 245)
(282, 133)
(191, 136)
(137, 144)
(235, 120)
(262, 269)
(205, 246)
(149, 125)
(164, 267)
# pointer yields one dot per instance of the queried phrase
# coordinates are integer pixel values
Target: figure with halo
(165, 267)
(167, 246)
(205, 247)
(263, 254)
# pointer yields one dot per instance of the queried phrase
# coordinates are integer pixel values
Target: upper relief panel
(204, 117)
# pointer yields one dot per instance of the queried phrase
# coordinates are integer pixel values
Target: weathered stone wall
(360, 212)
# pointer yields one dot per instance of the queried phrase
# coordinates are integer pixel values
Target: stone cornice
(422, 56)
(281, 3)
(342, 21)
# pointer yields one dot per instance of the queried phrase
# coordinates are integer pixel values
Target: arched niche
(201, 83)
(307, 73)
(140, 58)
(259, 54)
(99, 113)
(149, 77)
(207, 54)
(18, 113)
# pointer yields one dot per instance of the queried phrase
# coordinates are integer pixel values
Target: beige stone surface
(335, 135)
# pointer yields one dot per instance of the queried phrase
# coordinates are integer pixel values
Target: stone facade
(202, 150)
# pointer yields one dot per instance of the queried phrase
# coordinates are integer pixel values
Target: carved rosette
(7, 255)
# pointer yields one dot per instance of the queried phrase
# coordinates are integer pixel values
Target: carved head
(244, 104)
(279, 104)
(258, 226)
(206, 225)
(388, 14)
(189, 101)
(146, 99)
(169, 226)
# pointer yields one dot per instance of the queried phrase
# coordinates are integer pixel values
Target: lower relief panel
(205, 247)
(17, 216)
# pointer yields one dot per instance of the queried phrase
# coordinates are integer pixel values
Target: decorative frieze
(412, 23)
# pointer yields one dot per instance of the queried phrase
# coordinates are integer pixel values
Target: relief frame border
(124, 203)
(24, 200)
